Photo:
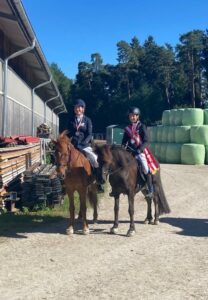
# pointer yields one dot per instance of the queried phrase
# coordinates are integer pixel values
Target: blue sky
(69, 31)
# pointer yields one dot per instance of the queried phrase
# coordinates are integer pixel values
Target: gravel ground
(168, 261)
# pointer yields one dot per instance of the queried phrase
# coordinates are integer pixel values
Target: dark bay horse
(76, 170)
(122, 169)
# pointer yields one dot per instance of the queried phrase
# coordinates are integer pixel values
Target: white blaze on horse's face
(105, 174)
(105, 171)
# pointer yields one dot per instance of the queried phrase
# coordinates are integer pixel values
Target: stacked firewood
(15, 160)
(41, 187)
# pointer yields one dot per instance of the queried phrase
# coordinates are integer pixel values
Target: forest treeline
(147, 75)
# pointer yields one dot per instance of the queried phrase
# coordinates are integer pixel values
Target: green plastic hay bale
(171, 134)
(193, 154)
(206, 116)
(152, 148)
(172, 116)
(157, 151)
(206, 155)
(165, 134)
(149, 132)
(182, 134)
(159, 133)
(199, 134)
(193, 116)
(178, 116)
(173, 153)
(165, 117)
(163, 149)
(152, 134)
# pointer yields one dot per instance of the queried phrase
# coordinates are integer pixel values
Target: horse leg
(92, 194)
(149, 218)
(156, 219)
(70, 229)
(83, 207)
(131, 230)
(114, 229)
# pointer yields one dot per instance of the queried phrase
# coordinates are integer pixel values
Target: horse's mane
(121, 155)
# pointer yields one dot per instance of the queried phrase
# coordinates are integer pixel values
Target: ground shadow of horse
(189, 226)
(18, 226)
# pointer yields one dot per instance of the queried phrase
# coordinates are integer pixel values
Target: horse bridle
(68, 161)
(109, 171)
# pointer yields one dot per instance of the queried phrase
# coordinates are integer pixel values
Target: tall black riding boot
(149, 185)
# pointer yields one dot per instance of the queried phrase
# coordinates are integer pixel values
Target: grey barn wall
(19, 97)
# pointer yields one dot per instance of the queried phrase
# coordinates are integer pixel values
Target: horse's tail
(164, 207)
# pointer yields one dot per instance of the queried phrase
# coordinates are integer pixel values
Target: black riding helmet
(79, 102)
(134, 110)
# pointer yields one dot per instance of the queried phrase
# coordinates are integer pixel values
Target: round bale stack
(182, 137)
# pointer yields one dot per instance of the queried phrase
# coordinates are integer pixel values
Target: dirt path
(168, 261)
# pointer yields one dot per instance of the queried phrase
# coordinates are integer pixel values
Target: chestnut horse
(122, 169)
(76, 171)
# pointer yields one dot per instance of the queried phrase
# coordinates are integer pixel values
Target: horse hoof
(86, 231)
(148, 221)
(130, 233)
(114, 230)
(70, 231)
(95, 221)
(156, 222)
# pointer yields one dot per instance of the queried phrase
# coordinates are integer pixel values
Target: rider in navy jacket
(137, 150)
(81, 137)
(80, 130)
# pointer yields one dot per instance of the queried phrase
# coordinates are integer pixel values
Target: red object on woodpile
(28, 139)
(19, 140)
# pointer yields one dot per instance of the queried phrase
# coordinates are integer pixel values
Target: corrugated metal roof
(16, 26)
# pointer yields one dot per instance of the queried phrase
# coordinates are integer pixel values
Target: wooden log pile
(41, 187)
(15, 160)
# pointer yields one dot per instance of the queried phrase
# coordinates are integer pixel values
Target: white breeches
(142, 158)
(91, 156)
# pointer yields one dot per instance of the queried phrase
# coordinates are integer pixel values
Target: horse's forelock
(105, 152)
(63, 137)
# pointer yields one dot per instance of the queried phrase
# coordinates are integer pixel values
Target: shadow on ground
(17, 226)
(189, 226)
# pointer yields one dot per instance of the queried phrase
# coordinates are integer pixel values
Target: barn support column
(33, 96)
(47, 101)
(5, 84)
(56, 117)
(57, 120)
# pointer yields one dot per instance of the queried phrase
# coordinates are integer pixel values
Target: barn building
(28, 93)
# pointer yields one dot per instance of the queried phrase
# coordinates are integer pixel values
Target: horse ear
(63, 133)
